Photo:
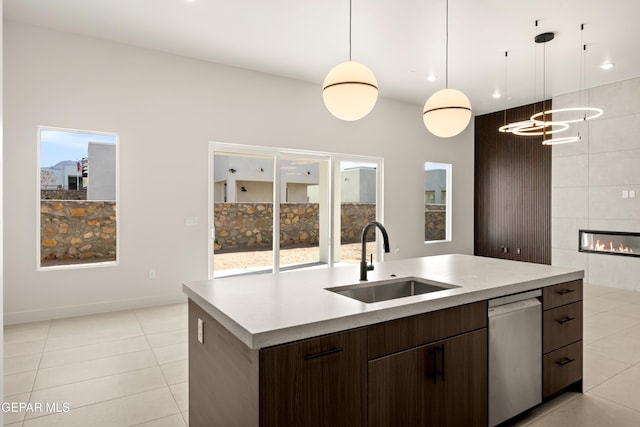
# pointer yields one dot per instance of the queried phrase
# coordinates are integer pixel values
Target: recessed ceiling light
(432, 77)
(607, 66)
(496, 94)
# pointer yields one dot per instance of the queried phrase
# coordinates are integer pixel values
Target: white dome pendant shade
(447, 113)
(350, 91)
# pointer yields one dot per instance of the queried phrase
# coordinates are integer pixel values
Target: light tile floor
(130, 368)
(116, 369)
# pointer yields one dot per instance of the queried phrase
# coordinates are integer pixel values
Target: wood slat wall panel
(512, 189)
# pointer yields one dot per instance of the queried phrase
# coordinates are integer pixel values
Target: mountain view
(61, 165)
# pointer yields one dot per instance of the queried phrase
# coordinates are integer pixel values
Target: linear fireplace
(609, 242)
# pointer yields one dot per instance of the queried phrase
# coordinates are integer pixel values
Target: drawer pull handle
(566, 291)
(310, 356)
(566, 361)
(566, 319)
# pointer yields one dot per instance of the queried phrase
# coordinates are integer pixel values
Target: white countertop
(269, 309)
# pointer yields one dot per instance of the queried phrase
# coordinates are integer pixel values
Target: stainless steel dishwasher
(515, 355)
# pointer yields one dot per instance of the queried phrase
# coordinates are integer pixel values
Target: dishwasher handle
(514, 306)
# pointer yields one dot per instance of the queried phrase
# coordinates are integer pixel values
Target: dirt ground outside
(349, 253)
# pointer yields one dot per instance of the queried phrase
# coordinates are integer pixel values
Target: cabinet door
(440, 384)
(315, 382)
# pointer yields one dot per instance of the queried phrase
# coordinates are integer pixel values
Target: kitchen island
(281, 349)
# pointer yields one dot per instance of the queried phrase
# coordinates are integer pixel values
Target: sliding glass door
(275, 209)
(304, 213)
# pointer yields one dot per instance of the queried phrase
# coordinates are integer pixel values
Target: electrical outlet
(625, 194)
(152, 273)
(191, 220)
(632, 194)
(200, 331)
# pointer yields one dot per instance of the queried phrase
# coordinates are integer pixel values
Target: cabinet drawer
(401, 334)
(561, 368)
(561, 326)
(561, 294)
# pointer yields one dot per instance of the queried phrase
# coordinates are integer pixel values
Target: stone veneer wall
(77, 230)
(249, 226)
(435, 220)
(63, 194)
(590, 179)
(87, 229)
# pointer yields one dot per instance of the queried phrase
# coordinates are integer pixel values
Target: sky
(429, 166)
(57, 145)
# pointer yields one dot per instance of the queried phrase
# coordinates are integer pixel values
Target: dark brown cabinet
(512, 178)
(561, 338)
(315, 382)
(428, 369)
(440, 384)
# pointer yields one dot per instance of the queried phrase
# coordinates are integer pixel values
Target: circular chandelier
(586, 113)
(510, 127)
(563, 140)
(538, 129)
(537, 125)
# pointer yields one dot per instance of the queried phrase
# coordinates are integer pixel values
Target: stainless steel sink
(389, 289)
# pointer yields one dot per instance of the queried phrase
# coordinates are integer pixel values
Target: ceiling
(401, 41)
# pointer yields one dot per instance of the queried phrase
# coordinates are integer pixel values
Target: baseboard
(51, 313)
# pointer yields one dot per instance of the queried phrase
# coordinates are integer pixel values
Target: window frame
(84, 265)
(448, 202)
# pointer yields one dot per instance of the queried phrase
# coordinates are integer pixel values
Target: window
(77, 194)
(316, 203)
(437, 202)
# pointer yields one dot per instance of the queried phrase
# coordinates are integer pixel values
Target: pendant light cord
(506, 55)
(583, 47)
(544, 90)
(349, 30)
(446, 52)
(535, 69)
(583, 61)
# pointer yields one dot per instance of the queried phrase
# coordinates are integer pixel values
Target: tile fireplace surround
(609, 242)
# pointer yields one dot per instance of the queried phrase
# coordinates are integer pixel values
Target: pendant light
(528, 127)
(580, 114)
(524, 127)
(448, 111)
(506, 127)
(575, 114)
(350, 90)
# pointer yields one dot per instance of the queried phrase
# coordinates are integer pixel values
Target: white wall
(1, 217)
(587, 182)
(165, 110)
(257, 191)
(102, 171)
(358, 185)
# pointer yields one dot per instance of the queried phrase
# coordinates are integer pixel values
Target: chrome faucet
(363, 262)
